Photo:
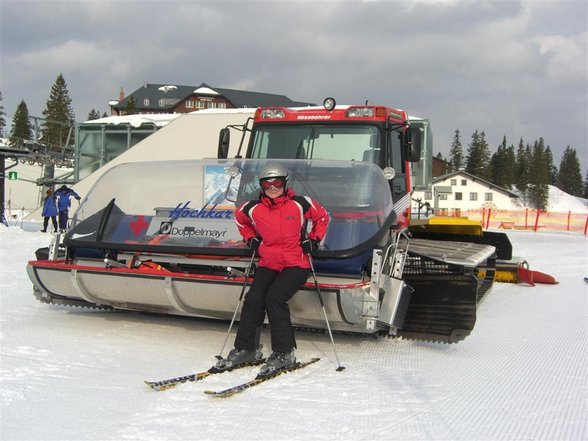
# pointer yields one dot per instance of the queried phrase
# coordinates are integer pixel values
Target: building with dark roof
(169, 98)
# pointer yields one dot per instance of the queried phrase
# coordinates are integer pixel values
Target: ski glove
(254, 243)
(309, 245)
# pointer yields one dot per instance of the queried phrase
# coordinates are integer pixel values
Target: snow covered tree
(570, 178)
(2, 120)
(59, 116)
(21, 125)
(540, 177)
(478, 156)
(94, 114)
(456, 152)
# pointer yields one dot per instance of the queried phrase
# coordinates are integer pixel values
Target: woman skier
(272, 226)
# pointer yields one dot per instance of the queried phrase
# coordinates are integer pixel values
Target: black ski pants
(270, 293)
(46, 222)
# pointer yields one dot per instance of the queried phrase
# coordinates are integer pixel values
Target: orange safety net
(526, 219)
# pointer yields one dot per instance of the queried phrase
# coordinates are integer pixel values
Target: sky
(508, 68)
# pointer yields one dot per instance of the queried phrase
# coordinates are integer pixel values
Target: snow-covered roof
(167, 88)
(158, 119)
(206, 90)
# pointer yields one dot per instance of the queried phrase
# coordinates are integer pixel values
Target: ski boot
(239, 357)
(277, 362)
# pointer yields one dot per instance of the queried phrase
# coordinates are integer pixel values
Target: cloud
(565, 57)
(514, 68)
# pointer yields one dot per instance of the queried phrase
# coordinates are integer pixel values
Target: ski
(173, 382)
(258, 380)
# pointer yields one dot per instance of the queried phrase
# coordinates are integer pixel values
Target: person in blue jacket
(64, 195)
(49, 211)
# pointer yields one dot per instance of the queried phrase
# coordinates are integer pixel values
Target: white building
(461, 191)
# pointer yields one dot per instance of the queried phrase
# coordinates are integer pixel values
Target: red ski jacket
(279, 223)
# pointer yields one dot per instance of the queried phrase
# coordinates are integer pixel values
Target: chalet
(462, 191)
(168, 98)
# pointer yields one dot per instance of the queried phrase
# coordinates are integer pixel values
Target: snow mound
(562, 201)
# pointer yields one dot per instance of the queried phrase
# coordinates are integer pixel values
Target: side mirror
(224, 140)
(413, 145)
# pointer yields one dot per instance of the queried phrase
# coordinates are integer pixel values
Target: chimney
(121, 95)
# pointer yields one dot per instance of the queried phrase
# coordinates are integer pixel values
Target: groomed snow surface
(74, 374)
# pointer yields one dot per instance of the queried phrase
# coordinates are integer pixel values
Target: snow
(206, 90)
(562, 201)
(159, 119)
(77, 374)
(167, 88)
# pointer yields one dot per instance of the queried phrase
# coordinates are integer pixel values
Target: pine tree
(510, 165)
(2, 120)
(539, 179)
(456, 152)
(59, 116)
(131, 107)
(501, 169)
(552, 168)
(94, 114)
(523, 169)
(445, 165)
(478, 158)
(585, 196)
(569, 177)
(21, 125)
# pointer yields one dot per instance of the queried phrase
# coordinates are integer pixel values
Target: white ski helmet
(273, 170)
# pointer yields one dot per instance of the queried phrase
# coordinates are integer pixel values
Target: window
(146, 102)
(443, 196)
(200, 104)
(454, 182)
(189, 104)
(487, 197)
(428, 195)
(473, 196)
(458, 196)
(464, 182)
(216, 105)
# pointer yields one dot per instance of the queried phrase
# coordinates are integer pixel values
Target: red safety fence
(526, 219)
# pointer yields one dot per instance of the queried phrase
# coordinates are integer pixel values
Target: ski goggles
(277, 183)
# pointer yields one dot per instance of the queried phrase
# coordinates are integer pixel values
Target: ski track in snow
(76, 374)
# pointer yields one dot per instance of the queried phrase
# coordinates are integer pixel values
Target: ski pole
(219, 356)
(320, 296)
